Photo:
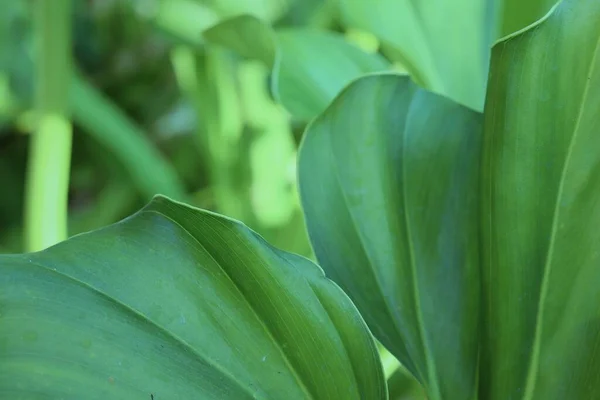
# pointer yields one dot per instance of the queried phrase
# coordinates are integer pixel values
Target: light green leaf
(445, 45)
(310, 66)
(388, 180)
(247, 36)
(540, 206)
(179, 303)
(268, 10)
(182, 19)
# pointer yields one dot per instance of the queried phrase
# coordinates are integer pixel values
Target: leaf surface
(517, 14)
(178, 303)
(445, 45)
(389, 186)
(541, 190)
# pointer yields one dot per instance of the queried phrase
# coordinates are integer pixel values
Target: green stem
(50, 145)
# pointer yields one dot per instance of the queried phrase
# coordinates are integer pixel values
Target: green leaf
(518, 14)
(445, 45)
(388, 181)
(181, 19)
(310, 66)
(268, 10)
(247, 36)
(540, 206)
(402, 386)
(179, 303)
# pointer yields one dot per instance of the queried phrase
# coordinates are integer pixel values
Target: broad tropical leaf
(389, 185)
(541, 213)
(445, 45)
(310, 67)
(176, 303)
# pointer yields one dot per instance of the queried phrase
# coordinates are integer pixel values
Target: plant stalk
(49, 160)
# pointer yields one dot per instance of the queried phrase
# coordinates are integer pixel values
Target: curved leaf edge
(314, 277)
(528, 27)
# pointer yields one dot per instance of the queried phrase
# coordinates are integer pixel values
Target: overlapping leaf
(541, 193)
(175, 303)
(389, 185)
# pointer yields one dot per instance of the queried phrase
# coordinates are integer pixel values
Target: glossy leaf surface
(177, 303)
(389, 185)
(541, 196)
(445, 45)
(310, 67)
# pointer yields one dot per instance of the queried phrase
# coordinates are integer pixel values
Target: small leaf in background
(541, 173)
(179, 303)
(267, 10)
(310, 67)
(445, 45)
(389, 185)
(247, 36)
(402, 386)
(182, 19)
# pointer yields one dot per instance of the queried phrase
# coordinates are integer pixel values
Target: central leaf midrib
(430, 361)
(292, 369)
(367, 255)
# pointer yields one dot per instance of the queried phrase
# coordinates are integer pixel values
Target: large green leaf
(541, 215)
(388, 181)
(310, 66)
(445, 45)
(177, 303)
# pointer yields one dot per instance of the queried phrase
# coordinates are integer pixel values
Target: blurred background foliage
(175, 97)
(157, 110)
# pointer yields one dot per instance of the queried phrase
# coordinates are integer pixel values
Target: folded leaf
(310, 67)
(389, 184)
(176, 303)
(540, 211)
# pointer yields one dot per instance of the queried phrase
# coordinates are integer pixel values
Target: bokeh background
(156, 111)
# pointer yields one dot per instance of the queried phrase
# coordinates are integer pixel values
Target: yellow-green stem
(50, 144)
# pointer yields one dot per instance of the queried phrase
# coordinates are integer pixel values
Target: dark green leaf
(541, 215)
(388, 181)
(179, 304)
